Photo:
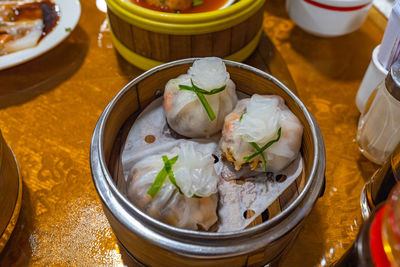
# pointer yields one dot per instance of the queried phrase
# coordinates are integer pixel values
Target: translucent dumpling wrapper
(192, 207)
(185, 112)
(258, 120)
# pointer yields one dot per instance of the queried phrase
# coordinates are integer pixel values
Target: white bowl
(328, 18)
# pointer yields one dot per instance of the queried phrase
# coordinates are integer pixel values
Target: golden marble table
(49, 107)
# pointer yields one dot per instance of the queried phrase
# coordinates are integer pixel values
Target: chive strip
(200, 94)
(202, 91)
(241, 116)
(261, 150)
(165, 172)
(211, 92)
(162, 175)
(158, 182)
(207, 107)
(168, 167)
(197, 2)
(257, 148)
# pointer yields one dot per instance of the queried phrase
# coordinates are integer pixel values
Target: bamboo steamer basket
(154, 243)
(148, 38)
(10, 192)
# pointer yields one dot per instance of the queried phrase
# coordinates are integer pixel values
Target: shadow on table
(18, 250)
(310, 242)
(277, 8)
(127, 68)
(267, 58)
(342, 58)
(22, 83)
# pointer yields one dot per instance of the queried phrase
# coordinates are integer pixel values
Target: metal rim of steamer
(180, 241)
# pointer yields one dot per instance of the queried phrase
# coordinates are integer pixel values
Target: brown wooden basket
(145, 91)
(154, 243)
(148, 38)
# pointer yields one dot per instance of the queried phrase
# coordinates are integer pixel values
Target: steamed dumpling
(184, 111)
(192, 206)
(258, 120)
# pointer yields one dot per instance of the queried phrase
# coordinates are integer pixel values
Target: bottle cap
(392, 81)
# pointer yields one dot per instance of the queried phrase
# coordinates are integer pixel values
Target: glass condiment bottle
(378, 188)
(379, 125)
(378, 241)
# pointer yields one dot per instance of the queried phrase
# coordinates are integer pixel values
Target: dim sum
(196, 103)
(262, 132)
(186, 197)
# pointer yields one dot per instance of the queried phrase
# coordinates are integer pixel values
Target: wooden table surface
(49, 107)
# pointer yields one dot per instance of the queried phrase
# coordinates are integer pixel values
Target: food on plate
(263, 132)
(196, 103)
(182, 6)
(24, 23)
(178, 188)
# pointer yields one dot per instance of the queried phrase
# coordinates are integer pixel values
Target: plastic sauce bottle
(379, 125)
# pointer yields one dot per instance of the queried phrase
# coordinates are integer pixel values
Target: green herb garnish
(241, 116)
(197, 2)
(162, 175)
(257, 148)
(165, 172)
(200, 94)
(161, 1)
(168, 167)
(68, 29)
(260, 150)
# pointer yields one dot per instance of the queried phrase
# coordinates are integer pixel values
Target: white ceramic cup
(328, 18)
(374, 75)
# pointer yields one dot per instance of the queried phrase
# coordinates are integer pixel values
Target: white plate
(69, 12)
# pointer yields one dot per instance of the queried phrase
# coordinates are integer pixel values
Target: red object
(375, 241)
(336, 8)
